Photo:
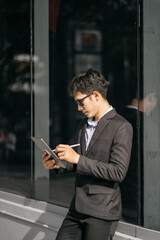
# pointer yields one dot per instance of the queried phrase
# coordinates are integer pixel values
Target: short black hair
(87, 82)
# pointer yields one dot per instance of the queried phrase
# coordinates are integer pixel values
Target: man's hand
(65, 152)
(49, 162)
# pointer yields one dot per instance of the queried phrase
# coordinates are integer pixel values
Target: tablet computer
(45, 148)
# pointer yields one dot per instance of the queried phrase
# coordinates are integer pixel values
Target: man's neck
(102, 110)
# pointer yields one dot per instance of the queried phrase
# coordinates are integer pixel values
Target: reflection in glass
(131, 188)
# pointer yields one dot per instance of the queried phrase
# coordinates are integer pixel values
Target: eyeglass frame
(80, 101)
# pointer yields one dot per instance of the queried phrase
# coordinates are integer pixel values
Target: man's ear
(97, 95)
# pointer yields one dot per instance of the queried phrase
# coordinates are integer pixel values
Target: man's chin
(86, 114)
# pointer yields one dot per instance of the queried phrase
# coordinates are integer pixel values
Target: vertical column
(41, 92)
(151, 70)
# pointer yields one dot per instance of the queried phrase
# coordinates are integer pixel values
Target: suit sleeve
(116, 168)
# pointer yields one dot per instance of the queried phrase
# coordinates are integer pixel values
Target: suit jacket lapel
(101, 125)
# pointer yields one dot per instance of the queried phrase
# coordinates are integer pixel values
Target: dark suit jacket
(102, 167)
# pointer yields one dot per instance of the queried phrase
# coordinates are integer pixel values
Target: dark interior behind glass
(92, 34)
(15, 96)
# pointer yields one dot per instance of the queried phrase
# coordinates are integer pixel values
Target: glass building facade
(43, 44)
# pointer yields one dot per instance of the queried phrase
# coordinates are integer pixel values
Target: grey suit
(102, 167)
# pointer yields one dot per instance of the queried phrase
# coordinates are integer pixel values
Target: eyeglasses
(80, 101)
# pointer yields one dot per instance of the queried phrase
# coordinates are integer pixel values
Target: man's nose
(80, 107)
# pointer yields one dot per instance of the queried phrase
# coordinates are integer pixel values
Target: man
(101, 161)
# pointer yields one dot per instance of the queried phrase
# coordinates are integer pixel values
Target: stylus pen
(72, 146)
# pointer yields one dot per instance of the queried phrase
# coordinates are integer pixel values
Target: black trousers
(78, 226)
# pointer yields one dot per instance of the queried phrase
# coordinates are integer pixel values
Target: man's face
(87, 104)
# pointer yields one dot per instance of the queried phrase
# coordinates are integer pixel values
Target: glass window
(102, 36)
(81, 35)
(70, 36)
(15, 112)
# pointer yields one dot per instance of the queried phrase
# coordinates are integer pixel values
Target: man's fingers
(61, 148)
(56, 167)
(48, 164)
(61, 154)
(48, 161)
(51, 166)
(46, 157)
(44, 154)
